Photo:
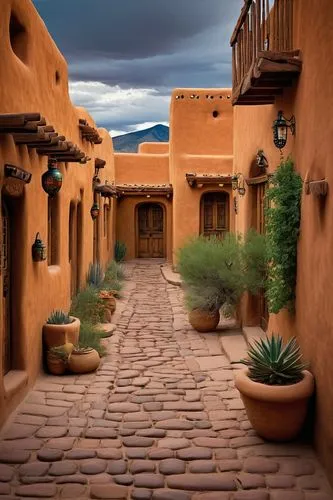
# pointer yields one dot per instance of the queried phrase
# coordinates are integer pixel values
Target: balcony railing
(264, 30)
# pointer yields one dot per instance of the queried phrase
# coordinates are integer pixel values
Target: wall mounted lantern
(237, 183)
(280, 129)
(261, 160)
(38, 249)
(94, 211)
(52, 179)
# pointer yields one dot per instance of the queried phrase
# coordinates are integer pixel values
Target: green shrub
(114, 276)
(272, 363)
(120, 250)
(88, 306)
(282, 230)
(90, 336)
(59, 317)
(216, 272)
(95, 274)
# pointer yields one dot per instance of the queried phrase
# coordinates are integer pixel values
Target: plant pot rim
(82, 351)
(74, 322)
(274, 393)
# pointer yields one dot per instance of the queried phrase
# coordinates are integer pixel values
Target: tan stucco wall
(312, 150)
(199, 143)
(31, 86)
(153, 147)
(136, 168)
(127, 223)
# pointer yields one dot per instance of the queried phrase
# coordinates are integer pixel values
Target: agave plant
(59, 317)
(120, 250)
(95, 274)
(271, 362)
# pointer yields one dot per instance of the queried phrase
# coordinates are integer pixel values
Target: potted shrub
(57, 358)
(216, 272)
(61, 328)
(85, 357)
(275, 388)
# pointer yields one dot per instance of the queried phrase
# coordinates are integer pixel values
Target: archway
(151, 231)
(214, 214)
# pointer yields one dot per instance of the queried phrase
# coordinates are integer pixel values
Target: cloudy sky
(125, 56)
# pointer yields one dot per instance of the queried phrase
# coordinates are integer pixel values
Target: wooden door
(259, 224)
(151, 231)
(214, 217)
(6, 306)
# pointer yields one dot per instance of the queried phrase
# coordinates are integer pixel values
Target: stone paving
(160, 420)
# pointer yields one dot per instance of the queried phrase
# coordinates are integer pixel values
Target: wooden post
(258, 25)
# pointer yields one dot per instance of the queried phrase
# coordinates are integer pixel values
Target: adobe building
(285, 63)
(39, 122)
(169, 193)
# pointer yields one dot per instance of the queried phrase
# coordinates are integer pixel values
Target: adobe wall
(127, 222)
(36, 81)
(153, 147)
(199, 143)
(312, 150)
(136, 168)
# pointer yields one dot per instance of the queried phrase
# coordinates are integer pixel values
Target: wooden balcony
(264, 60)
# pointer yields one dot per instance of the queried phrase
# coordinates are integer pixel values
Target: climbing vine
(282, 230)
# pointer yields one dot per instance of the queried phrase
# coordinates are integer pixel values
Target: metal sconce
(237, 182)
(38, 249)
(94, 211)
(52, 179)
(261, 160)
(280, 129)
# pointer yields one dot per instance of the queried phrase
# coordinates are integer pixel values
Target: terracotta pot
(204, 321)
(109, 304)
(84, 361)
(277, 413)
(55, 335)
(56, 365)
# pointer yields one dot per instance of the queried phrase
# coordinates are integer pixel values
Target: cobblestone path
(160, 420)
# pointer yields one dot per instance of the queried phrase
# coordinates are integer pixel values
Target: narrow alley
(160, 420)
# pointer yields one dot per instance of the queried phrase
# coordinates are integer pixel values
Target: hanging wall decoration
(52, 179)
(38, 249)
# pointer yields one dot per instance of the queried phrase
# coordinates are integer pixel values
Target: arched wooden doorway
(6, 289)
(214, 214)
(151, 231)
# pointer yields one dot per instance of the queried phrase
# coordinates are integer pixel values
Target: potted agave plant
(60, 328)
(275, 388)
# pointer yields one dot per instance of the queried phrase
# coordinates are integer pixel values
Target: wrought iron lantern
(39, 252)
(52, 179)
(94, 211)
(261, 160)
(237, 182)
(280, 130)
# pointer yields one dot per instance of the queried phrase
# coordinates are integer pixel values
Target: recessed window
(53, 231)
(57, 77)
(215, 114)
(18, 38)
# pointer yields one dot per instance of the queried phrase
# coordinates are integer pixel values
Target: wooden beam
(18, 118)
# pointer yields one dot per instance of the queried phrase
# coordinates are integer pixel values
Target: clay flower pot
(56, 335)
(276, 412)
(204, 321)
(83, 360)
(109, 304)
(56, 365)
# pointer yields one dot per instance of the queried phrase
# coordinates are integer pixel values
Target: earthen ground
(159, 420)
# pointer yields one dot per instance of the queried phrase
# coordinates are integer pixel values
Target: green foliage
(90, 336)
(59, 317)
(88, 306)
(272, 363)
(58, 352)
(95, 274)
(114, 276)
(216, 272)
(282, 230)
(120, 250)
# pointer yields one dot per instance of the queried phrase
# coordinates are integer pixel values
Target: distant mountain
(128, 143)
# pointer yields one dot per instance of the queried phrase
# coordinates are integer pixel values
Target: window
(18, 38)
(214, 214)
(52, 231)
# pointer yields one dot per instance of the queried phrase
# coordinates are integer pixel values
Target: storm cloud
(145, 47)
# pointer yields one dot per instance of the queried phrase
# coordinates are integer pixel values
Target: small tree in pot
(275, 388)
(216, 273)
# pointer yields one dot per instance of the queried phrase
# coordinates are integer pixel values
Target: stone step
(252, 333)
(234, 346)
(170, 276)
